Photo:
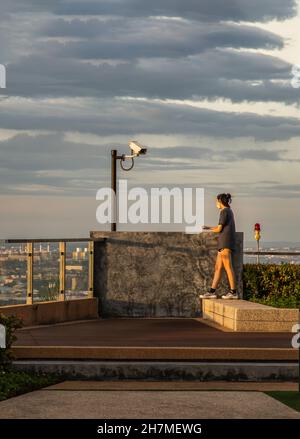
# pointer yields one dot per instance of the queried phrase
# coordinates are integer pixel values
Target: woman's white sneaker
(230, 295)
(208, 295)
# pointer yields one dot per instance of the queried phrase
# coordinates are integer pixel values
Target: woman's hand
(216, 229)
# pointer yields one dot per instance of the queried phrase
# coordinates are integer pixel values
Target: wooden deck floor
(150, 339)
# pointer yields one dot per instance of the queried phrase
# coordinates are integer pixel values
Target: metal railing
(62, 264)
(270, 253)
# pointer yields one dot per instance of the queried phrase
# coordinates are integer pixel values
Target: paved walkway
(94, 403)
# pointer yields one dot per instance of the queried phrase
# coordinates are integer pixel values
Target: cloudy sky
(206, 85)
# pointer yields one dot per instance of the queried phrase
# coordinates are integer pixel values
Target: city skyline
(14, 277)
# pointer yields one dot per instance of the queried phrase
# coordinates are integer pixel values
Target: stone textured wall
(146, 274)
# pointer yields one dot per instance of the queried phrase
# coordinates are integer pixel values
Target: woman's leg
(218, 271)
(227, 262)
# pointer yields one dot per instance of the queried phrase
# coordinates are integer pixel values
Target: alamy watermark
(296, 337)
(181, 206)
(295, 81)
(2, 76)
(2, 337)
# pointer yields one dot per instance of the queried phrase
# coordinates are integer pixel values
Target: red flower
(257, 227)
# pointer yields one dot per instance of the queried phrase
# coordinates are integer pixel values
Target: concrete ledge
(53, 311)
(166, 371)
(154, 353)
(244, 316)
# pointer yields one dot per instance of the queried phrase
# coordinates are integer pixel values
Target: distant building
(74, 283)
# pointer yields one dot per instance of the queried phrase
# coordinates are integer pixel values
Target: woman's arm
(216, 229)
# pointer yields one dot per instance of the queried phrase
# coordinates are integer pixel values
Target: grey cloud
(24, 152)
(249, 189)
(280, 190)
(187, 152)
(261, 154)
(133, 38)
(173, 59)
(9, 7)
(217, 155)
(48, 152)
(254, 154)
(166, 165)
(204, 10)
(215, 74)
(10, 182)
(60, 167)
(111, 117)
(52, 165)
(287, 187)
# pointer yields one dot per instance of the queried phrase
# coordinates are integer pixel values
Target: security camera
(137, 148)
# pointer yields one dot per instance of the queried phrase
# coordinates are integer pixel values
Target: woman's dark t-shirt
(226, 238)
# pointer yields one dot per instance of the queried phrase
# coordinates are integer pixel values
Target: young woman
(226, 245)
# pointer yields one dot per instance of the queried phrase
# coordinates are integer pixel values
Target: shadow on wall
(160, 274)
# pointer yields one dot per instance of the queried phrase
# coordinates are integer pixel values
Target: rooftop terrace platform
(184, 339)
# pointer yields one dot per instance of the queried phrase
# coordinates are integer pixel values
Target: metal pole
(62, 270)
(257, 252)
(114, 187)
(91, 270)
(29, 295)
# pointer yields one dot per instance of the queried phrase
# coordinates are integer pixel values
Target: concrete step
(174, 385)
(155, 353)
(164, 370)
(245, 316)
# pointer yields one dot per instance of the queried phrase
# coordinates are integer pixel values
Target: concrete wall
(53, 312)
(156, 274)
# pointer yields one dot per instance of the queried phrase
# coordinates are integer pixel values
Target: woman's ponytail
(225, 199)
(229, 198)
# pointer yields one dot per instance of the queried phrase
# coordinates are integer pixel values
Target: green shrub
(272, 284)
(11, 323)
(13, 383)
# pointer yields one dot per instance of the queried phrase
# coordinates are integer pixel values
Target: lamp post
(136, 150)
(257, 238)
(114, 158)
